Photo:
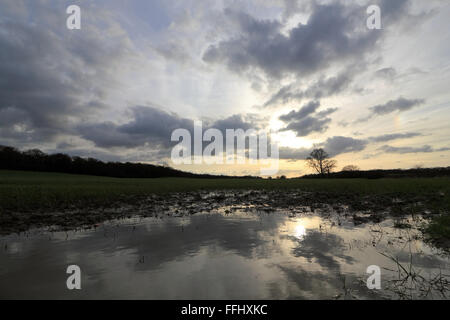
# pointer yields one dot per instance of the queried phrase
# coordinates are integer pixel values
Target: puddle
(230, 254)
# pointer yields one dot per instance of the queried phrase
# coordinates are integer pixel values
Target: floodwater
(238, 255)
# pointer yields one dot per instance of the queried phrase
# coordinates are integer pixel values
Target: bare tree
(350, 167)
(320, 161)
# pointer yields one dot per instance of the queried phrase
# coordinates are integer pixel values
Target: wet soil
(373, 208)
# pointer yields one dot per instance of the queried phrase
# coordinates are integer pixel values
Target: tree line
(320, 161)
(36, 160)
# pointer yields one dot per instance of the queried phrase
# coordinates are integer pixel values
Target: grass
(411, 284)
(439, 228)
(22, 191)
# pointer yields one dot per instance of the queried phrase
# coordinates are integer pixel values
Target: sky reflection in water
(211, 256)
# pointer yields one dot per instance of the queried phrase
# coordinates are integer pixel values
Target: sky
(310, 72)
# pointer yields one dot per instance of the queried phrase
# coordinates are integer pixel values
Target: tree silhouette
(36, 160)
(320, 161)
(350, 167)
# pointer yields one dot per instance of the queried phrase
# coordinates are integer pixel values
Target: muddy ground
(373, 208)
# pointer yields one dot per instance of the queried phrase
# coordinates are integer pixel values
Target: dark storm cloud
(395, 11)
(149, 125)
(404, 150)
(324, 87)
(333, 34)
(152, 122)
(153, 127)
(27, 83)
(306, 120)
(50, 77)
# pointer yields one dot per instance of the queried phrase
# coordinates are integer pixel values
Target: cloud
(62, 89)
(50, 80)
(334, 146)
(324, 87)
(148, 125)
(287, 153)
(401, 104)
(404, 150)
(308, 125)
(395, 136)
(391, 73)
(306, 110)
(338, 145)
(386, 73)
(152, 127)
(331, 35)
(306, 120)
(236, 121)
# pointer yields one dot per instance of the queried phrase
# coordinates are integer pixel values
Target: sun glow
(300, 231)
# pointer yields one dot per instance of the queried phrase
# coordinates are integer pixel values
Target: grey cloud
(404, 150)
(401, 104)
(395, 136)
(149, 125)
(339, 145)
(391, 74)
(48, 80)
(397, 13)
(294, 154)
(236, 121)
(308, 125)
(152, 122)
(152, 127)
(306, 120)
(393, 10)
(306, 110)
(284, 95)
(324, 87)
(327, 112)
(107, 135)
(386, 73)
(334, 146)
(330, 86)
(332, 34)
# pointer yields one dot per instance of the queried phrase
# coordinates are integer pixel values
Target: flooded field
(228, 253)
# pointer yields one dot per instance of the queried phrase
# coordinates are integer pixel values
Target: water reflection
(242, 255)
(300, 231)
